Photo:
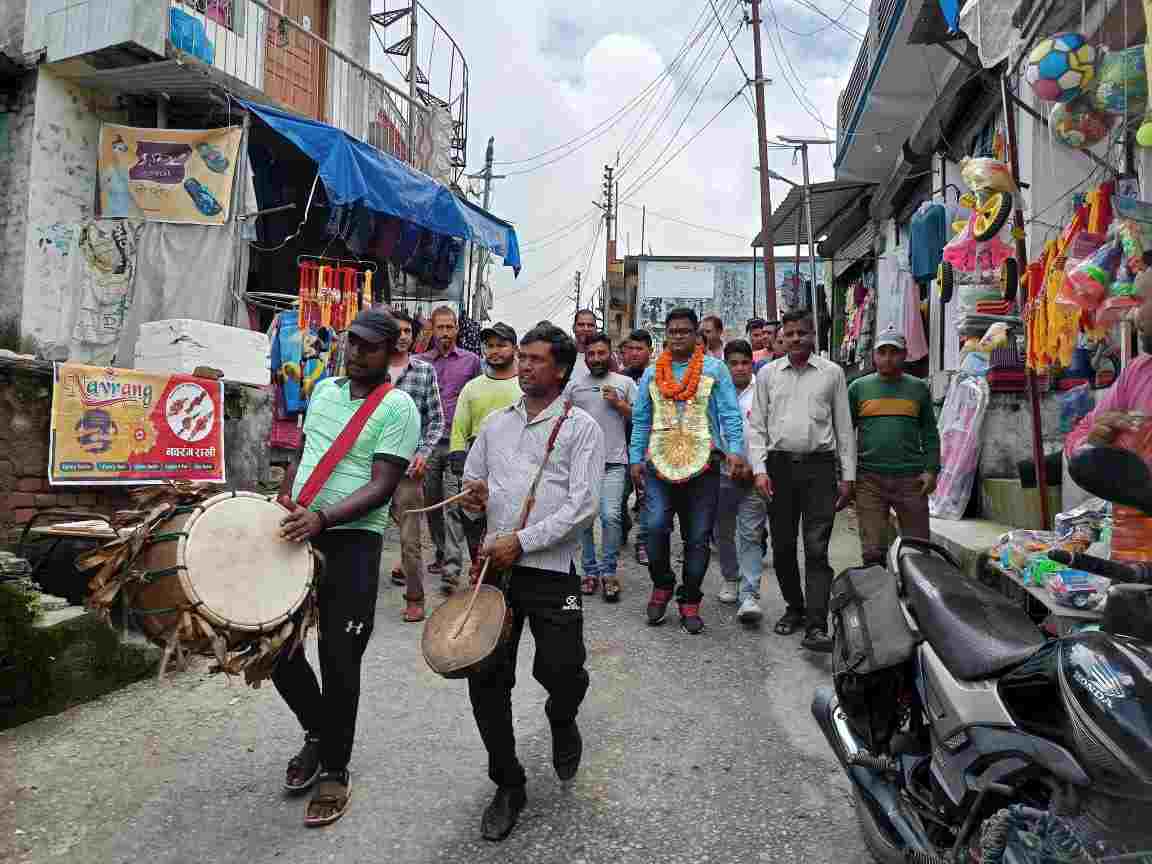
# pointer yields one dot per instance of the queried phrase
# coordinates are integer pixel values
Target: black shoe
(790, 622)
(500, 816)
(816, 638)
(567, 748)
(304, 767)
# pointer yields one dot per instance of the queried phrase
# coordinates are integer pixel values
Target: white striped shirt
(507, 455)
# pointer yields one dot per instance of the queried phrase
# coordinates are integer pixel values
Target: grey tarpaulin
(183, 271)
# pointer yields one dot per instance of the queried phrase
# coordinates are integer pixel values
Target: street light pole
(765, 191)
(802, 144)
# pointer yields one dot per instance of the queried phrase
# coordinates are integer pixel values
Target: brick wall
(25, 402)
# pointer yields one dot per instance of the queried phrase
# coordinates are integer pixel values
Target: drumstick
(472, 601)
(442, 504)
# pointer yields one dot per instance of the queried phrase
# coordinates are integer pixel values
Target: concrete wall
(69, 28)
(62, 192)
(16, 136)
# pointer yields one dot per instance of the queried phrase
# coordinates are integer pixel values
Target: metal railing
(276, 48)
(850, 95)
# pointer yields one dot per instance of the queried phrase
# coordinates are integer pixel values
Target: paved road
(697, 749)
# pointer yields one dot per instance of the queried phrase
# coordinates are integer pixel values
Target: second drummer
(346, 523)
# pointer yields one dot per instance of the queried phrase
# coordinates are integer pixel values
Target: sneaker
(728, 593)
(641, 554)
(816, 638)
(750, 612)
(436, 567)
(690, 618)
(658, 606)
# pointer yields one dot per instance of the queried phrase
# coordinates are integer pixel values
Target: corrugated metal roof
(828, 201)
(854, 249)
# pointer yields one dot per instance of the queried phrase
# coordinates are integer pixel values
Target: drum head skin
(453, 655)
(239, 567)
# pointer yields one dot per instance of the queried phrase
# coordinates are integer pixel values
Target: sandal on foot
(304, 767)
(611, 589)
(414, 611)
(330, 800)
(398, 576)
(590, 585)
(792, 621)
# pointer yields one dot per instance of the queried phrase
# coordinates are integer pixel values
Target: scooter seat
(978, 633)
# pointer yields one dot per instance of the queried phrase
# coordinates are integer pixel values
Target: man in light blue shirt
(686, 424)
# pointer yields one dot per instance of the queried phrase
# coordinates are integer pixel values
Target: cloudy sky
(543, 73)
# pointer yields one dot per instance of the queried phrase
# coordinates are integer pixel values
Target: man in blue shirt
(686, 425)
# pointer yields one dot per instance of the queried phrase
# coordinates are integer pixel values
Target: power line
(807, 107)
(680, 90)
(637, 187)
(810, 5)
(562, 230)
(668, 218)
(691, 40)
(735, 56)
(822, 28)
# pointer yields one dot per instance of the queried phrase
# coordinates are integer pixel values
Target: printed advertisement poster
(167, 175)
(121, 426)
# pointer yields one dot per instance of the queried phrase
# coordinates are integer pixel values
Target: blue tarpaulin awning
(353, 172)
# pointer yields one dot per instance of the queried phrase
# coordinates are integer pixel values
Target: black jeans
(347, 607)
(804, 494)
(694, 502)
(551, 604)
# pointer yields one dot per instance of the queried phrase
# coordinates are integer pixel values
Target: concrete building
(66, 66)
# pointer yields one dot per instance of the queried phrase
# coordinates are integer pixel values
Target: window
(226, 13)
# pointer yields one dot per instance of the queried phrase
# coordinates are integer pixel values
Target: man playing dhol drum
(544, 437)
(345, 522)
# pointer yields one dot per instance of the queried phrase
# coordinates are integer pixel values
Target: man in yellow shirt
(497, 388)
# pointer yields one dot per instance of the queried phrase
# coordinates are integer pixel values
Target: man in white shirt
(608, 397)
(536, 561)
(801, 422)
(743, 512)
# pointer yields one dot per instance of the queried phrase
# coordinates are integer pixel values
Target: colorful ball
(1079, 124)
(1061, 67)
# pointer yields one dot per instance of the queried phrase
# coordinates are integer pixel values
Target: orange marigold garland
(679, 391)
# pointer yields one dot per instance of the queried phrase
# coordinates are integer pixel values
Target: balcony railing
(273, 47)
(850, 95)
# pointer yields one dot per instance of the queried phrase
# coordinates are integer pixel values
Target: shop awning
(828, 201)
(353, 172)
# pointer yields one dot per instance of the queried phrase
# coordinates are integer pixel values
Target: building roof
(828, 201)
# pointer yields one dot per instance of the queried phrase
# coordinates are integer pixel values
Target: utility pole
(765, 192)
(487, 176)
(643, 226)
(610, 242)
(577, 291)
(413, 74)
(802, 144)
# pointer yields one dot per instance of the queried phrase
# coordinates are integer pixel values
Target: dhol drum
(222, 562)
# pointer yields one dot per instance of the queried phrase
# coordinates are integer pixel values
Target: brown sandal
(414, 611)
(590, 585)
(611, 589)
(398, 576)
(330, 800)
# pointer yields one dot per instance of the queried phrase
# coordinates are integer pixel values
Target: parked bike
(971, 738)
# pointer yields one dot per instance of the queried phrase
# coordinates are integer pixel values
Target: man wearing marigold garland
(686, 424)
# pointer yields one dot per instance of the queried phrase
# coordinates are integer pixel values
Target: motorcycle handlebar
(1101, 566)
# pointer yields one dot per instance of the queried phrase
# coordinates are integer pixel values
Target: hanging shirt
(927, 234)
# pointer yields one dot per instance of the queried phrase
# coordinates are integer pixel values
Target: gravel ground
(697, 749)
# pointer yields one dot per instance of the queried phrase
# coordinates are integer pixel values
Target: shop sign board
(717, 286)
(168, 175)
(122, 426)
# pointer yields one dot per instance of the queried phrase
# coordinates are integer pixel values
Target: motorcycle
(992, 743)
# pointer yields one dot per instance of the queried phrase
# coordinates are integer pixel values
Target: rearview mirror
(1115, 475)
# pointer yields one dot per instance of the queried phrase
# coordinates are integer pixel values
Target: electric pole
(610, 241)
(802, 144)
(765, 193)
(577, 298)
(487, 176)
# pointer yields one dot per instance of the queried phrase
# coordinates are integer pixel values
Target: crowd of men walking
(750, 445)
(788, 444)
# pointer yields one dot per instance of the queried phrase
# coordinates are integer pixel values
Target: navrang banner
(167, 175)
(121, 426)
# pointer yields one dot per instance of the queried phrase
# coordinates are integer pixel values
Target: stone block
(48, 499)
(20, 515)
(7, 469)
(31, 484)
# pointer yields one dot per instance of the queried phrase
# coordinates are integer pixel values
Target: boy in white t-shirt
(741, 518)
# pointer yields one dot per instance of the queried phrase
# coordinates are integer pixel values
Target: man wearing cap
(345, 522)
(898, 447)
(497, 388)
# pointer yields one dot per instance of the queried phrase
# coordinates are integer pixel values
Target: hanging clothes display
(927, 236)
(961, 435)
(913, 321)
(300, 358)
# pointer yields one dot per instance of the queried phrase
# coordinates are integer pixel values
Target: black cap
(501, 331)
(375, 325)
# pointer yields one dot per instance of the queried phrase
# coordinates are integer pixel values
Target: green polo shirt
(392, 432)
